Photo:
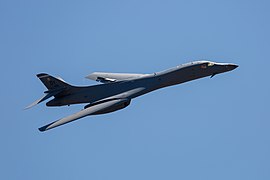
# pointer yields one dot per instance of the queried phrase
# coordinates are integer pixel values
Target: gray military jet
(118, 89)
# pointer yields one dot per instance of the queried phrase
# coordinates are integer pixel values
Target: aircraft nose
(231, 66)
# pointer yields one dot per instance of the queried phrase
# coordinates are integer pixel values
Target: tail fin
(54, 85)
(51, 82)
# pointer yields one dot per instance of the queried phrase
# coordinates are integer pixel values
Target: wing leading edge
(96, 109)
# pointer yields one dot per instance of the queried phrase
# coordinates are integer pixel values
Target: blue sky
(206, 129)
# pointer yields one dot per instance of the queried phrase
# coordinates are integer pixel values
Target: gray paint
(118, 89)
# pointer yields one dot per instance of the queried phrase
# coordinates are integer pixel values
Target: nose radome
(232, 66)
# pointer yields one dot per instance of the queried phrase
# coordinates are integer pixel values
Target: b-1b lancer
(117, 89)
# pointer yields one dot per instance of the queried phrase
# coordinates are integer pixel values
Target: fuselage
(136, 87)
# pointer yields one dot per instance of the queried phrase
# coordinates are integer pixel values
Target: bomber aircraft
(117, 89)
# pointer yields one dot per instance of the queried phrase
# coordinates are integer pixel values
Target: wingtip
(42, 129)
(45, 128)
(91, 76)
(25, 108)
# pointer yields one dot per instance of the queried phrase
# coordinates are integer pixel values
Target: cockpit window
(203, 66)
(211, 64)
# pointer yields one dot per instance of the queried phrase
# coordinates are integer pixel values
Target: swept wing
(105, 77)
(100, 108)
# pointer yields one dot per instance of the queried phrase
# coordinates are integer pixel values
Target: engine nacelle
(120, 105)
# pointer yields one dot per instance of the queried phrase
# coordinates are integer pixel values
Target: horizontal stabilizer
(38, 101)
(45, 97)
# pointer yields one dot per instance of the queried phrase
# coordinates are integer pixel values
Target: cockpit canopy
(205, 65)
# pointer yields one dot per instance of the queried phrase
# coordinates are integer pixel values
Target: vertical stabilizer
(54, 85)
(51, 82)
